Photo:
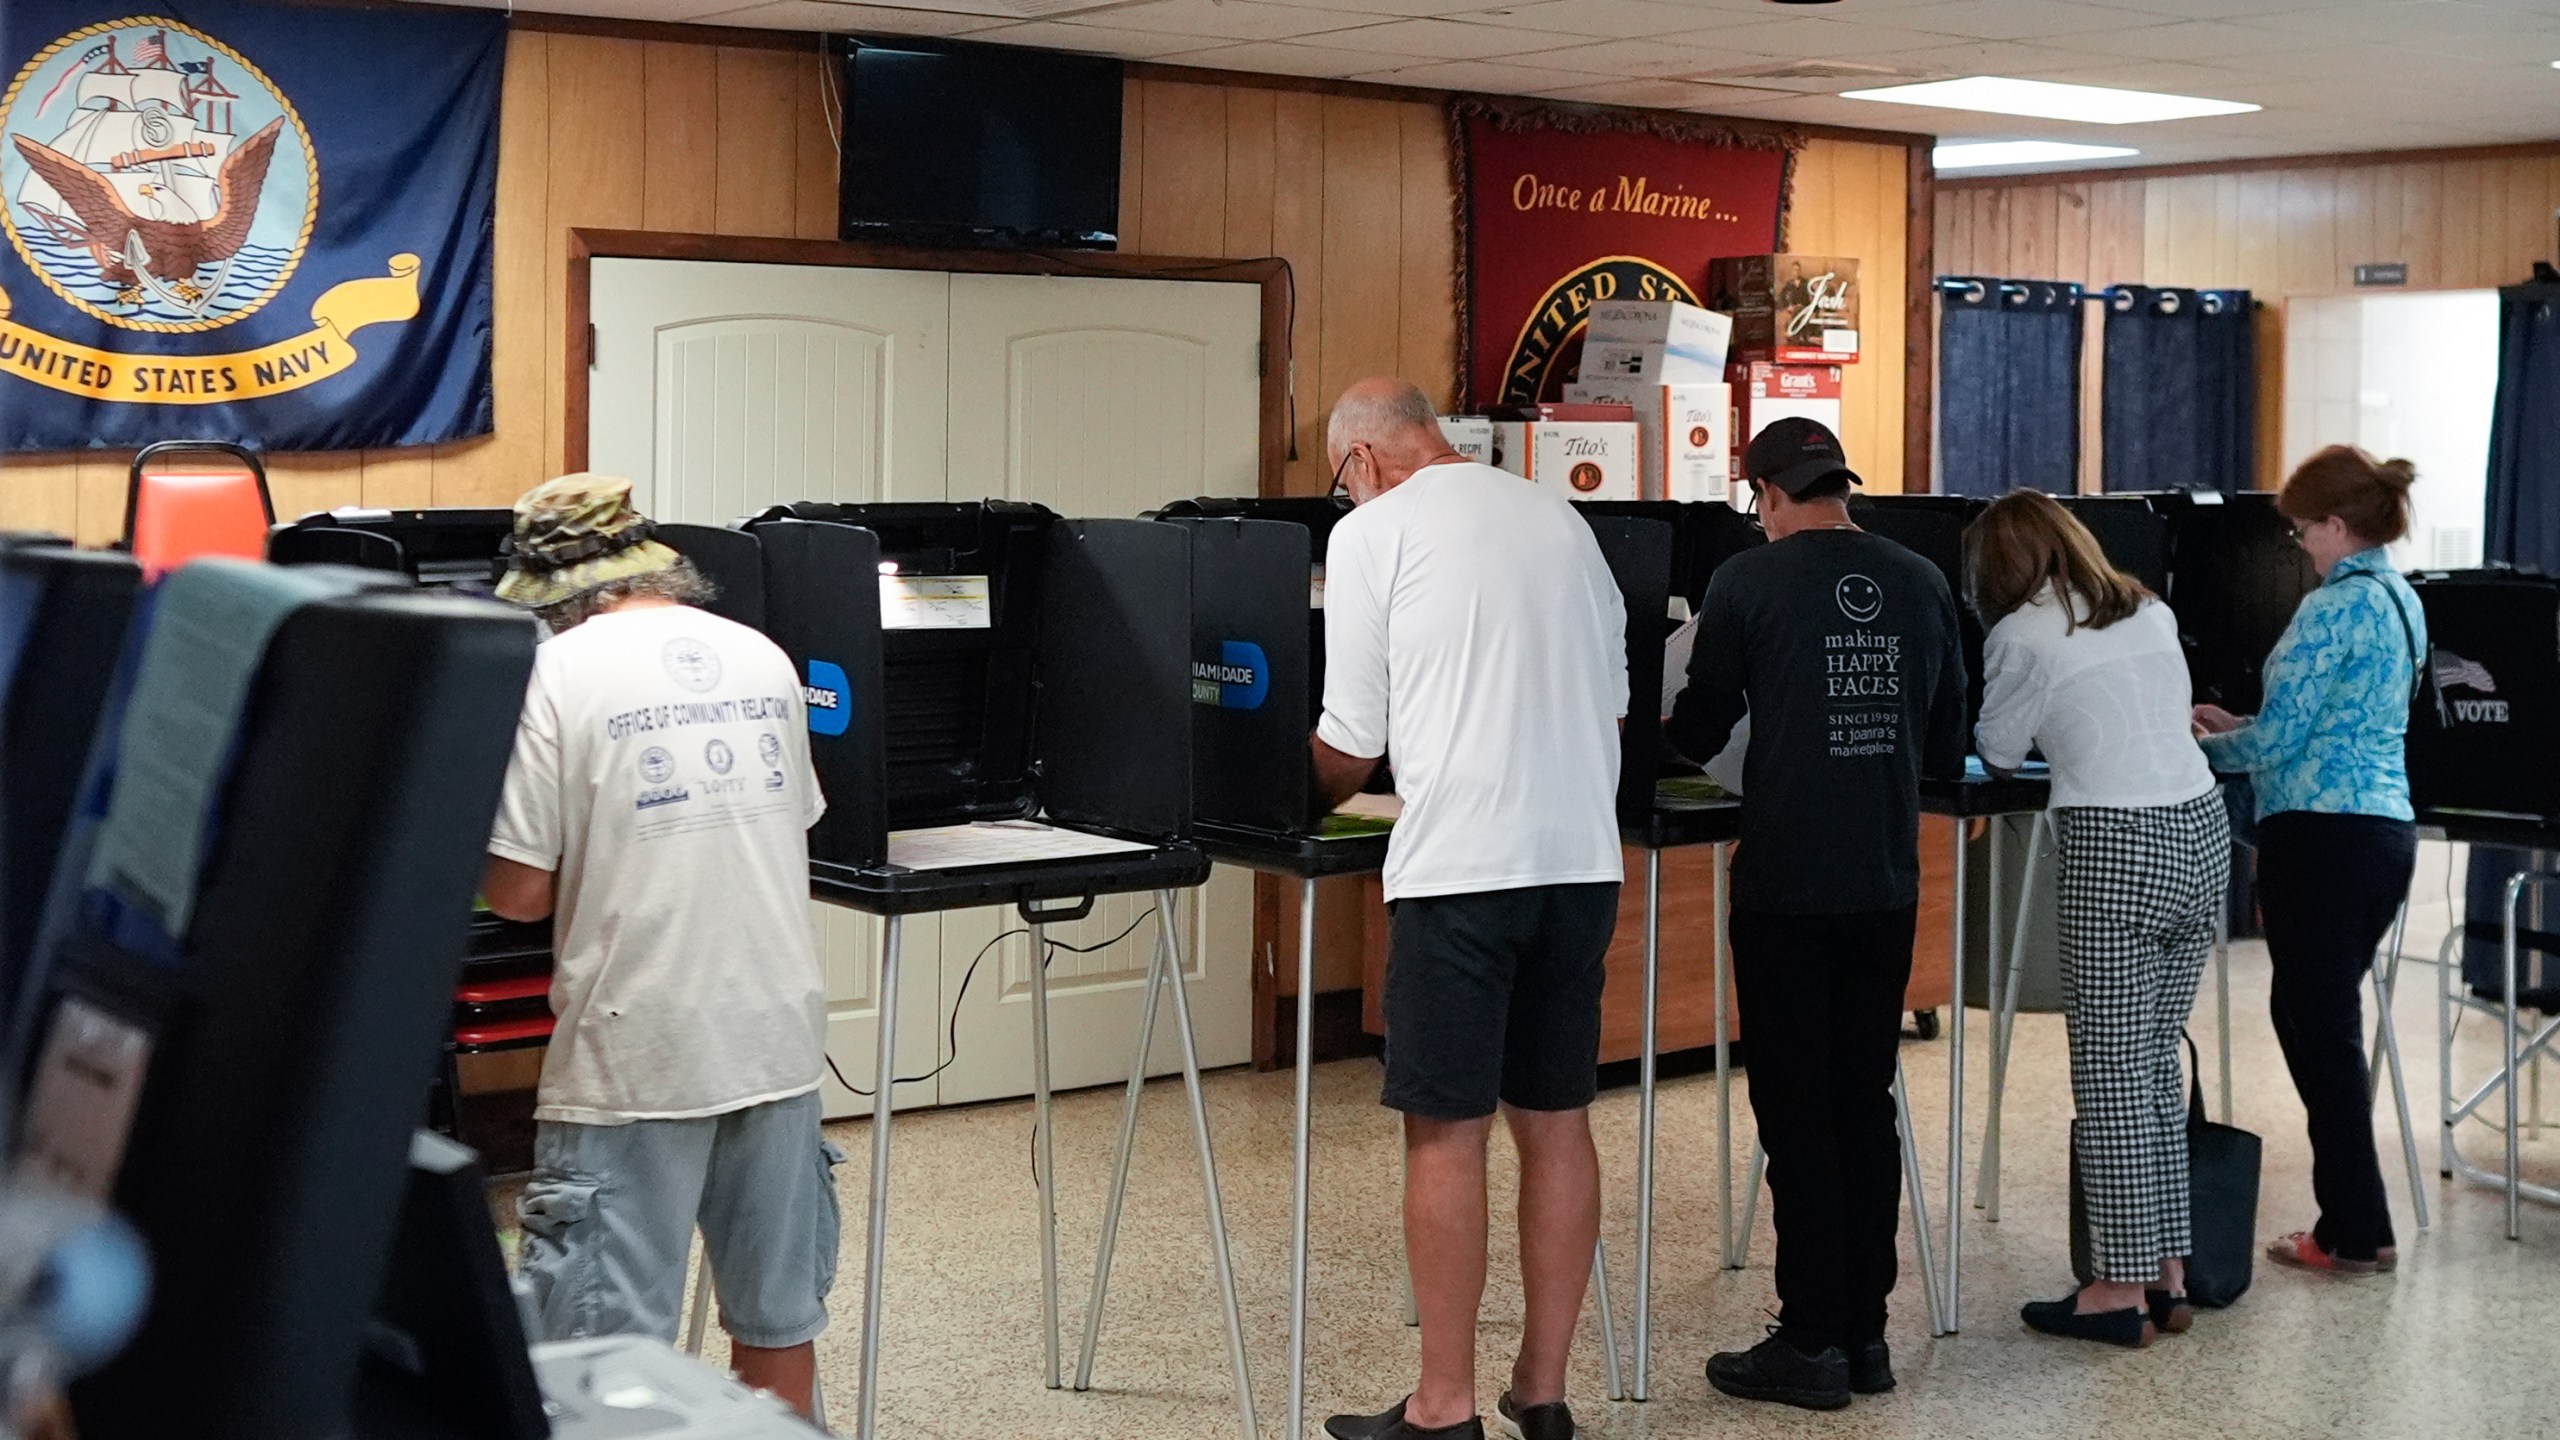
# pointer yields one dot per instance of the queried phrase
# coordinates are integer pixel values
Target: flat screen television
(950, 144)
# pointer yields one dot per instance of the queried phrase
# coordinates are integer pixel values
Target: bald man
(1473, 631)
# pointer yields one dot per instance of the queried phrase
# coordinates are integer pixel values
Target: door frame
(1279, 312)
(1272, 275)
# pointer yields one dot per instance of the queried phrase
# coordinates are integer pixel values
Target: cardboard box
(1469, 435)
(1686, 434)
(1590, 459)
(1702, 333)
(1764, 393)
(1603, 363)
(1790, 309)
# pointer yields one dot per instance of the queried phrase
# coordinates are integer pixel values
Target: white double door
(719, 389)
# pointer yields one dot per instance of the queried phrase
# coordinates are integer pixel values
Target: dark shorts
(1495, 997)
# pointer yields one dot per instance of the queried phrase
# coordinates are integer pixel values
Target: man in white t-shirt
(659, 800)
(1473, 633)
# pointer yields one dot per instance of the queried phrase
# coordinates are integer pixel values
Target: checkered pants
(2138, 893)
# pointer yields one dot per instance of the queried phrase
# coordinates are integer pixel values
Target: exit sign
(2394, 273)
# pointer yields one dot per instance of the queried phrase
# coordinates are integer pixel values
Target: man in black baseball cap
(1843, 646)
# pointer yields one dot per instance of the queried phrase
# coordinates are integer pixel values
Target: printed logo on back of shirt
(656, 765)
(719, 757)
(1861, 599)
(769, 748)
(691, 664)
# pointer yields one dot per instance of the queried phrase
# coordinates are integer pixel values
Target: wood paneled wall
(1359, 196)
(2278, 231)
(1355, 192)
(596, 132)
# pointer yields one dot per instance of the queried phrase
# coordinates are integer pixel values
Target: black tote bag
(2222, 1190)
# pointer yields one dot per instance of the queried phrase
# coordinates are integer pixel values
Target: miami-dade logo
(1239, 679)
(829, 695)
(1561, 313)
(656, 765)
(155, 179)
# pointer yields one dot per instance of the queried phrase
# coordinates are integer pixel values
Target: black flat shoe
(1871, 1368)
(2170, 1313)
(1551, 1421)
(1391, 1425)
(2130, 1327)
(1776, 1371)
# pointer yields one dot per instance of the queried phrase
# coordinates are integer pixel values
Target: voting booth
(231, 1013)
(1000, 714)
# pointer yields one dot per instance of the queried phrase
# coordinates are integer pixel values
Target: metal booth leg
(2386, 1057)
(698, 1325)
(1751, 1196)
(2445, 1117)
(1120, 1153)
(2003, 994)
(1044, 1154)
(1723, 947)
(1298, 1211)
(1221, 1254)
(2222, 997)
(1950, 1310)
(1608, 1321)
(885, 1078)
(2515, 1176)
(1919, 1196)
(1645, 1112)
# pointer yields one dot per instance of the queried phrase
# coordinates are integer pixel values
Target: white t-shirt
(2109, 708)
(662, 770)
(1474, 636)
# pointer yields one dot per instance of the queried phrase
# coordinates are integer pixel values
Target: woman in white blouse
(2084, 665)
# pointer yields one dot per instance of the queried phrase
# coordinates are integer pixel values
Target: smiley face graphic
(1861, 599)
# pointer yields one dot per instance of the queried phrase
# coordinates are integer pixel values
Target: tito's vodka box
(1685, 433)
(1588, 459)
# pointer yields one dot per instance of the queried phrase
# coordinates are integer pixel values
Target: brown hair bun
(2371, 496)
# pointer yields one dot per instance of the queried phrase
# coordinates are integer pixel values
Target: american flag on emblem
(154, 51)
(94, 54)
(2451, 669)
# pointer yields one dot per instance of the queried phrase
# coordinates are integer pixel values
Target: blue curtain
(2008, 386)
(2181, 397)
(2524, 436)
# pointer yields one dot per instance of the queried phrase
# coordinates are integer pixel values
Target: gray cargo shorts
(610, 1213)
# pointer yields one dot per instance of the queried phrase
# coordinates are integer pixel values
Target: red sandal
(2302, 1252)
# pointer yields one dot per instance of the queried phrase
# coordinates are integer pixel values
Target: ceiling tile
(1663, 95)
(2401, 21)
(1443, 40)
(1651, 59)
(1493, 77)
(1587, 19)
(1805, 36)
(1230, 20)
(869, 19)
(1103, 39)
(1283, 57)
(2016, 19)
(1428, 9)
(2180, 40)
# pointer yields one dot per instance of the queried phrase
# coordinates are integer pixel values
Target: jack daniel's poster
(238, 222)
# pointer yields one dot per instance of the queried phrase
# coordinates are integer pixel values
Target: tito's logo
(1560, 316)
(1239, 679)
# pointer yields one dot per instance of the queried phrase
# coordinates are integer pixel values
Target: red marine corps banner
(1561, 209)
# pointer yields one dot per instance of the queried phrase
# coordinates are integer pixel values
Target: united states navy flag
(241, 222)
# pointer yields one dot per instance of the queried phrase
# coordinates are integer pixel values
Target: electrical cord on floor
(952, 1032)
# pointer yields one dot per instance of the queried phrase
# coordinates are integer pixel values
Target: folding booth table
(999, 715)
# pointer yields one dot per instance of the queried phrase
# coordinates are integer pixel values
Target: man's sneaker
(1777, 1371)
(1871, 1368)
(1551, 1421)
(1391, 1426)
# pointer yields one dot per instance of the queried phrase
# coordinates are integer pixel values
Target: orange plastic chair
(174, 514)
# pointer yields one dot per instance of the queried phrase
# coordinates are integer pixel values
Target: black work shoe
(1777, 1371)
(1551, 1421)
(1871, 1368)
(2130, 1327)
(1392, 1426)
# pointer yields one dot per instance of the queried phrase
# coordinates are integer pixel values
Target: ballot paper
(935, 602)
(998, 842)
(1726, 768)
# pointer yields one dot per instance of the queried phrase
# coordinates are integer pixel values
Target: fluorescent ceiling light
(2046, 100)
(2022, 152)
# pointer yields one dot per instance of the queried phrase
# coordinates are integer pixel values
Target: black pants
(2328, 886)
(1821, 999)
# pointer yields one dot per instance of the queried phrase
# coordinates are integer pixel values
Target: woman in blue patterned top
(2336, 838)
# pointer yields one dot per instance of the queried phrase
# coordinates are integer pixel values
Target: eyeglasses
(1341, 491)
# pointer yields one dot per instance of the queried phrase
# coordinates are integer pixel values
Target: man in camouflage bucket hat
(576, 534)
(660, 797)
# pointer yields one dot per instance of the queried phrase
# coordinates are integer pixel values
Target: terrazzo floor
(2459, 1342)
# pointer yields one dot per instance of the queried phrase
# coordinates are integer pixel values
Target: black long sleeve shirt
(1845, 647)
